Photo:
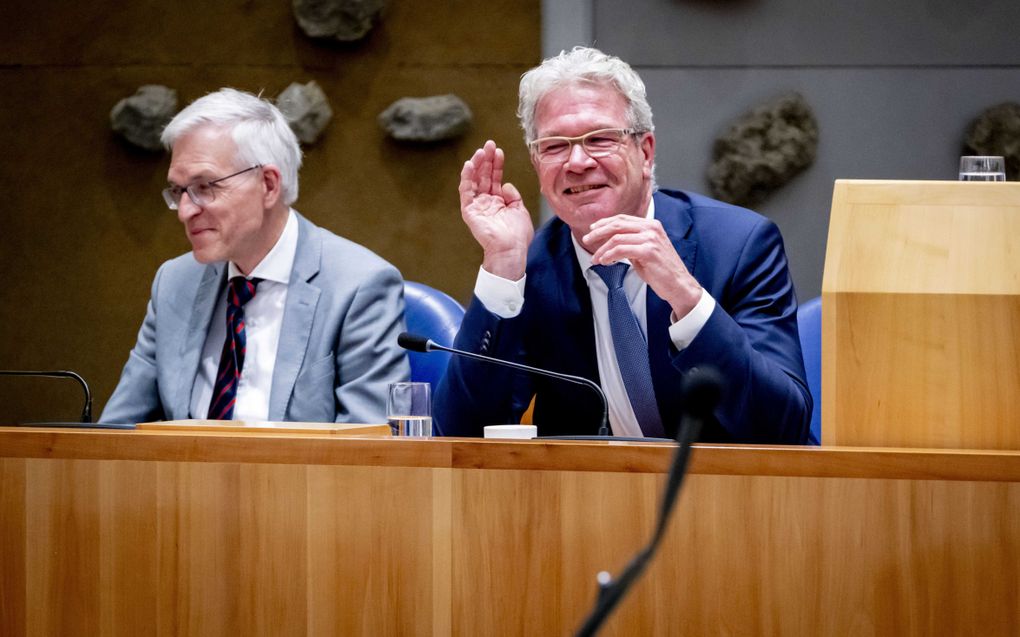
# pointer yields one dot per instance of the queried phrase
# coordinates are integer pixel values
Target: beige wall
(84, 227)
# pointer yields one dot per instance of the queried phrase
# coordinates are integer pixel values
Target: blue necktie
(221, 407)
(631, 351)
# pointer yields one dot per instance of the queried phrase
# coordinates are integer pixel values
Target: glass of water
(982, 168)
(409, 409)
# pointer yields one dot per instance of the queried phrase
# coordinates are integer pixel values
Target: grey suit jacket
(338, 344)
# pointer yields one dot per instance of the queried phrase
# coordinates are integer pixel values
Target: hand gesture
(495, 214)
(645, 244)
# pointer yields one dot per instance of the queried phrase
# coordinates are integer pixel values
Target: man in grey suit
(269, 317)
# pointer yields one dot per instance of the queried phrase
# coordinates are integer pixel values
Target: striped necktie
(221, 407)
(631, 351)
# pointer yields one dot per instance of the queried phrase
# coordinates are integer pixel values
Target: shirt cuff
(683, 332)
(502, 297)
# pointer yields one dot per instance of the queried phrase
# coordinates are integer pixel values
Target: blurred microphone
(417, 343)
(702, 390)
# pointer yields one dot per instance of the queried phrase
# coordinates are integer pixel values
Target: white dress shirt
(505, 299)
(263, 319)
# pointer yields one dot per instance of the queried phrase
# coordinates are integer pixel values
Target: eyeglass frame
(174, 204)
(580, 139)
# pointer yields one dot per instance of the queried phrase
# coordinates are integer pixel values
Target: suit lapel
(298, 318)
(572, 303)
(563, 338)
(676, 221)
(193, 340)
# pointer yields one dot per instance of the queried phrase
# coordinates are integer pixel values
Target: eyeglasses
(598, 143)
(201, 193)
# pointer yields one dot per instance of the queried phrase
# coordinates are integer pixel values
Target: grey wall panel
(893, 85)
(874, 124)
(809, 32)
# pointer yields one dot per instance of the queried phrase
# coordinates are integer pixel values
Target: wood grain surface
(474, 537)
(920, 308)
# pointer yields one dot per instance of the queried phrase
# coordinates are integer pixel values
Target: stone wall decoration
(343, 20)
(996, 131)
(306, 109)
(426, 119)
(763, 150)
(140, 118)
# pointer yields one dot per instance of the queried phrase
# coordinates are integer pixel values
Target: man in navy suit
(705, 283)
(316, 340)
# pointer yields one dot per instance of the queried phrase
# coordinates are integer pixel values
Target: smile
(579, 189)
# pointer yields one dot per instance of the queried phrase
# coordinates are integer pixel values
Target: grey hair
(583, 64)
(257, 127)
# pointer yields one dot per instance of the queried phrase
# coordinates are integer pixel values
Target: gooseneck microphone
(417, 343)
(86, 412)
(702, 390)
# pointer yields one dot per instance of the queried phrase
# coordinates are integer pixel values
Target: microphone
(86, 412)
(702, 391)
(416, 343)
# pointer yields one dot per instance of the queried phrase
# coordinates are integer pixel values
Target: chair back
(809, 323)
(435, 315)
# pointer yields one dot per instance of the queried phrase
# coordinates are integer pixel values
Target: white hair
(583, 65)
(257, 127)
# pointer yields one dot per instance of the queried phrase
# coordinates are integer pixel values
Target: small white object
(511, 431)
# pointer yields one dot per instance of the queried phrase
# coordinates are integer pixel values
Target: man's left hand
(645, 244)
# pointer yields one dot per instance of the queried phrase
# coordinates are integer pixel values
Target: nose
(186, 208)
(579, 159)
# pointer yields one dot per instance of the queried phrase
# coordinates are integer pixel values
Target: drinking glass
(982, 168)
(409, 409)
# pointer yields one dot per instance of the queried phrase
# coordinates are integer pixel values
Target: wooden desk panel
(474, 537)
(920, 302)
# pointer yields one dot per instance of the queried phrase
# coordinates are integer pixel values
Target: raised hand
(495, 214)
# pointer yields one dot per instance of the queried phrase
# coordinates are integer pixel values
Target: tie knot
(242, 290)
(612, 275)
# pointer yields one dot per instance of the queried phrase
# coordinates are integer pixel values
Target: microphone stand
(702, 390)
(86, 412)
(417, 343)
(421, 344)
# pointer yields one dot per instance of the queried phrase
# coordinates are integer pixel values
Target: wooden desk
(205, 533)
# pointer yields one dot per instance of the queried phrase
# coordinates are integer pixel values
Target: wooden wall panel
(84, 225)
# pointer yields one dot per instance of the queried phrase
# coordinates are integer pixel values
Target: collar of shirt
(278, 263)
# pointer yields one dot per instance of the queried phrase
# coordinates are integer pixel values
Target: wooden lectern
(921, 315)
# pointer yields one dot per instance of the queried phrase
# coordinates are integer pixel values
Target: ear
(647, 147)
(272, 185)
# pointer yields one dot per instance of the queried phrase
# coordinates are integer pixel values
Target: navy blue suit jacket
(751, 337)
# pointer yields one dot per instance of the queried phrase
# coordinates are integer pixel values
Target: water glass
(982, 168)
(409, 409)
